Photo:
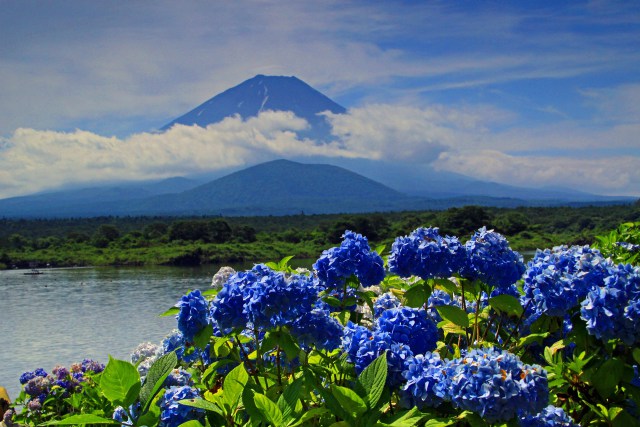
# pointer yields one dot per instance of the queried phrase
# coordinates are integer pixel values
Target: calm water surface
(65, 315)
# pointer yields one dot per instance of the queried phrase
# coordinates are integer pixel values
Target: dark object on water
(33, 272)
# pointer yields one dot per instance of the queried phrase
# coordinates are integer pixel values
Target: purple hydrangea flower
(409, 326)
(497, 385)
(551, 416)
(193, 315)
(89, 365)
(352, 257)
(37, 386)
(613, 310)
(426, 254)
(491, 260)
(172, 413)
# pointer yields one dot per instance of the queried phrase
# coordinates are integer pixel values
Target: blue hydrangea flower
(551, 416)
(439, 298)
(409, 326)
(178, 378)
(353, 338)
(426, 381)
(384, 302)
(193, 314)
(557, 280)
(613, 310)
(491, 260)
(497, 385)
(317, 328)
(426, 254)
(172, 413)
(26, 376)
(352, 257)
(263, 298)
(128, 419)
(397, 354)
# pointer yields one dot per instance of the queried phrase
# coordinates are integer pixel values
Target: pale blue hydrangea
(551, 416)
(384, 302)
(491, 260)
(177, 378)
(426, 381)
(426, 254)
(144, 351)
(193, 314)
(353, 257)
(613, 310)
(172, 413)
(497, 385)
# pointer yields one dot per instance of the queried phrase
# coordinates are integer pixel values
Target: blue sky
(525, 93)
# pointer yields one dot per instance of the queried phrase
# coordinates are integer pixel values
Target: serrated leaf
(202, 404)
(455, 315)
(171, 312)
(373, 378)
(233, 385)
(507, 304)
(81, 419)
(416, 296)
(268, 409)
(608, 376)
(202, 338)
(158, 372)
(117, 379)
(349, 400)
(287, 401)
(308, 415)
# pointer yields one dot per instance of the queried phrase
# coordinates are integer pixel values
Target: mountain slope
(261, 93)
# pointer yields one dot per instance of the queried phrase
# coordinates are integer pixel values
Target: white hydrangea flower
(221, 277)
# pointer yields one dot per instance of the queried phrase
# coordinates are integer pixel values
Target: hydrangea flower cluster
(439, 298)
(613, 310)
(557, 280)
(172, 413)
(178, 378)
(319, 329)
(222, 275)
(384, 302)
(551, 416)
(263, 298)
(426, 384)
(426, 254)
(144, 351)
(496, 385)
(491, 260)
(193, 314)
(352, 257)
(401, 331)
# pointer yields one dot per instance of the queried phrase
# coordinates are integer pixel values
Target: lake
(65, 315)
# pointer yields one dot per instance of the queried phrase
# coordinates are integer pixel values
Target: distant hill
(262, 93)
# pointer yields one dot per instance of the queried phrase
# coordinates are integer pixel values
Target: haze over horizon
(532, 94)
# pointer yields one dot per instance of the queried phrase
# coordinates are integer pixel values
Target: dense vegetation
(433, 333)
(200, 240)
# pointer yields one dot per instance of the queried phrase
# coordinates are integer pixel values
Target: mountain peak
(261, 93)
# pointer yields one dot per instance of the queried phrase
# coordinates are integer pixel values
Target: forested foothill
(202, 240)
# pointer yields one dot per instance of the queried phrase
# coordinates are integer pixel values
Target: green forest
(203, 240)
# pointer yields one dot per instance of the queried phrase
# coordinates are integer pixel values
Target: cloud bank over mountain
(455, 140)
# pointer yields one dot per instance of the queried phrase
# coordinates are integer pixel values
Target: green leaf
(284, 262)
(268, 409)
(287, 401)
(529, 339)
(608, 376)
(202, 338)
(158, 372)
(81, 419)
(373, 378)
(202, 404)
(117, 379)
(455, 315)
(349, 400)
(308, 415)
(191, 423)
(447, 285)
(171, 312)
(233, 385)
(416, 296)
(636, 354)
(411, 418)
(507, 304)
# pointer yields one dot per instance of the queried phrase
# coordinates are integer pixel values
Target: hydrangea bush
(437, 332)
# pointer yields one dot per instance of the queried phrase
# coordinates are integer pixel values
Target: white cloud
(33, 160)
(610, 175)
